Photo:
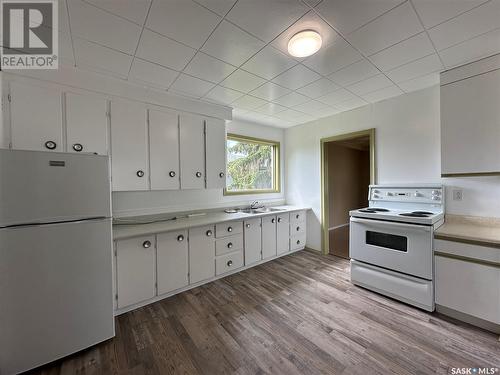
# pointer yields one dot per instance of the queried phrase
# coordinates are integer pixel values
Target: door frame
(325, 201)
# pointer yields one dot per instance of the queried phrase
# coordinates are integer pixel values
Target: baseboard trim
(478, 322)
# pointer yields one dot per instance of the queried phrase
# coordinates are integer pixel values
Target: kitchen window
(253, 165)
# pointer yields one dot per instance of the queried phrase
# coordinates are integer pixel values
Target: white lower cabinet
(172, 263)
(135, 270)
(283, 233)
(229, 262)
(268, 236)
(252, 240)
(201, 253)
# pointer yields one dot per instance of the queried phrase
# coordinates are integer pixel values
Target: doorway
(348, 168)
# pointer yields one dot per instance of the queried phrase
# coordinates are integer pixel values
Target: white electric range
(391, 242)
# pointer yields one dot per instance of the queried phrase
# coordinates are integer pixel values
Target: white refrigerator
(55, 256)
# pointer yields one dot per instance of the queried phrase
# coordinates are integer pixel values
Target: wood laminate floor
(295, 315)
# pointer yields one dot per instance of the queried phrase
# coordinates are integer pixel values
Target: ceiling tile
(269, 63)
(93, 24)
(191, 86)
(152, 74)
(270, 91)
(377, 82)
(63, 22)
(266, 19)
(416, 69)
(208, 68)
(221, 7)
(394, 26)
(65, 51)
(310, 21)
(348, 15)
(164, 51)
(379, 95)
(231, 44)
(184, 21)
(466, 26)
(408, 50)
(248, 102)
(336, 97)
(311, 107)
(133, 10)
(351, 104)
(102, 58)
(318, 88)
(327, 111)
(312, 3)
(296, 77)
(420, 82)
(432, 12)
(243, 81)
(292, 99)
(292, 115)
(471, 50)
(270, 109)
(356, 72)
(223, 95)
(333, 58)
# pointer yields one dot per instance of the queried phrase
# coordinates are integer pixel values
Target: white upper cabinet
(129, 146)
(470, 123)
(36, 118)
(164, 150)
(86, 124)
(192, 140)
(215, 141)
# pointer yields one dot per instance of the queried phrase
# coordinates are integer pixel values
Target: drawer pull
(297, 216)
(140, 173)
(78, 147)
(51, 145)
(229, 229)
(229, 245)
(273, 221)
(229, 263)
(298, 228)
(247, 225)
(146, 244)
(209, 233)
(298, 242)
(171, 174)
(180, 238)
(198, 174)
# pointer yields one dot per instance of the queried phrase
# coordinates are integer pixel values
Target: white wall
(133, 203)
(407, 151)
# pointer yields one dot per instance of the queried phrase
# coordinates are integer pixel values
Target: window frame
(276, 167)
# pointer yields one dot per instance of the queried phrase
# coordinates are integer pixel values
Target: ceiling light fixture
(304, 43)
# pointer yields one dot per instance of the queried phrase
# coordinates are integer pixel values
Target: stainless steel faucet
(256, 204)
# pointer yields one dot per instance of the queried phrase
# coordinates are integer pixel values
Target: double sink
(263, 210)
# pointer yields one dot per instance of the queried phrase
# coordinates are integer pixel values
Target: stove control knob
(435, 198)
(375, 196)
(417, 194)
(435, 192)
(389, 194)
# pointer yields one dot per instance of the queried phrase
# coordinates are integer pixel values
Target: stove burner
(414, 214)
(423, 212)
(369, 209)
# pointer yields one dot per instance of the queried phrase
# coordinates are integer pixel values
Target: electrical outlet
(458, 194)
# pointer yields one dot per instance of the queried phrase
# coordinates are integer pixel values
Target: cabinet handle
(198, 174)
(221, 174)
(229, 229)
(279, 220)
(297, 216)
(298, 242)
(298, 228)
(171, 174)
(78, 147)
(273, 221)
(229, 263)
(140, 173)
(146, 244)
(51, 145)
(209, 233)
(180, 238)
(247, 225)
(229, 245)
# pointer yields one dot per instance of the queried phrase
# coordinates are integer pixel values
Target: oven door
(400, 247)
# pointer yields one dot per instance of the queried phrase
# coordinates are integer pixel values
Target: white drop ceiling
(233, 52)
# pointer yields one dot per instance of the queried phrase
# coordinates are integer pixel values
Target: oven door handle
(386, 224)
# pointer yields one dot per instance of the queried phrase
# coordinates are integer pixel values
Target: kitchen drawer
(283, 218)
(297, 217)
(228, 229)
(229, 244)
(228, 262)
(297, 228)
(297, 241)
(489, 254)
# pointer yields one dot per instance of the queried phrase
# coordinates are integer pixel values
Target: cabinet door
(86, 124)
(129, 146)
(201, 254)
(283, 233)
(470, 125)
(164, 150)
(192, 154)
(252, 241)
(268, 237)
(172, 261)
(36, 118)
(135, 270)
(216, 153)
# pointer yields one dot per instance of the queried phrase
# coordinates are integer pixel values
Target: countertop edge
(467, 240)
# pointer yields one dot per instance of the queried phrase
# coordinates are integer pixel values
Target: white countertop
(122, 231)
(476, 230)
